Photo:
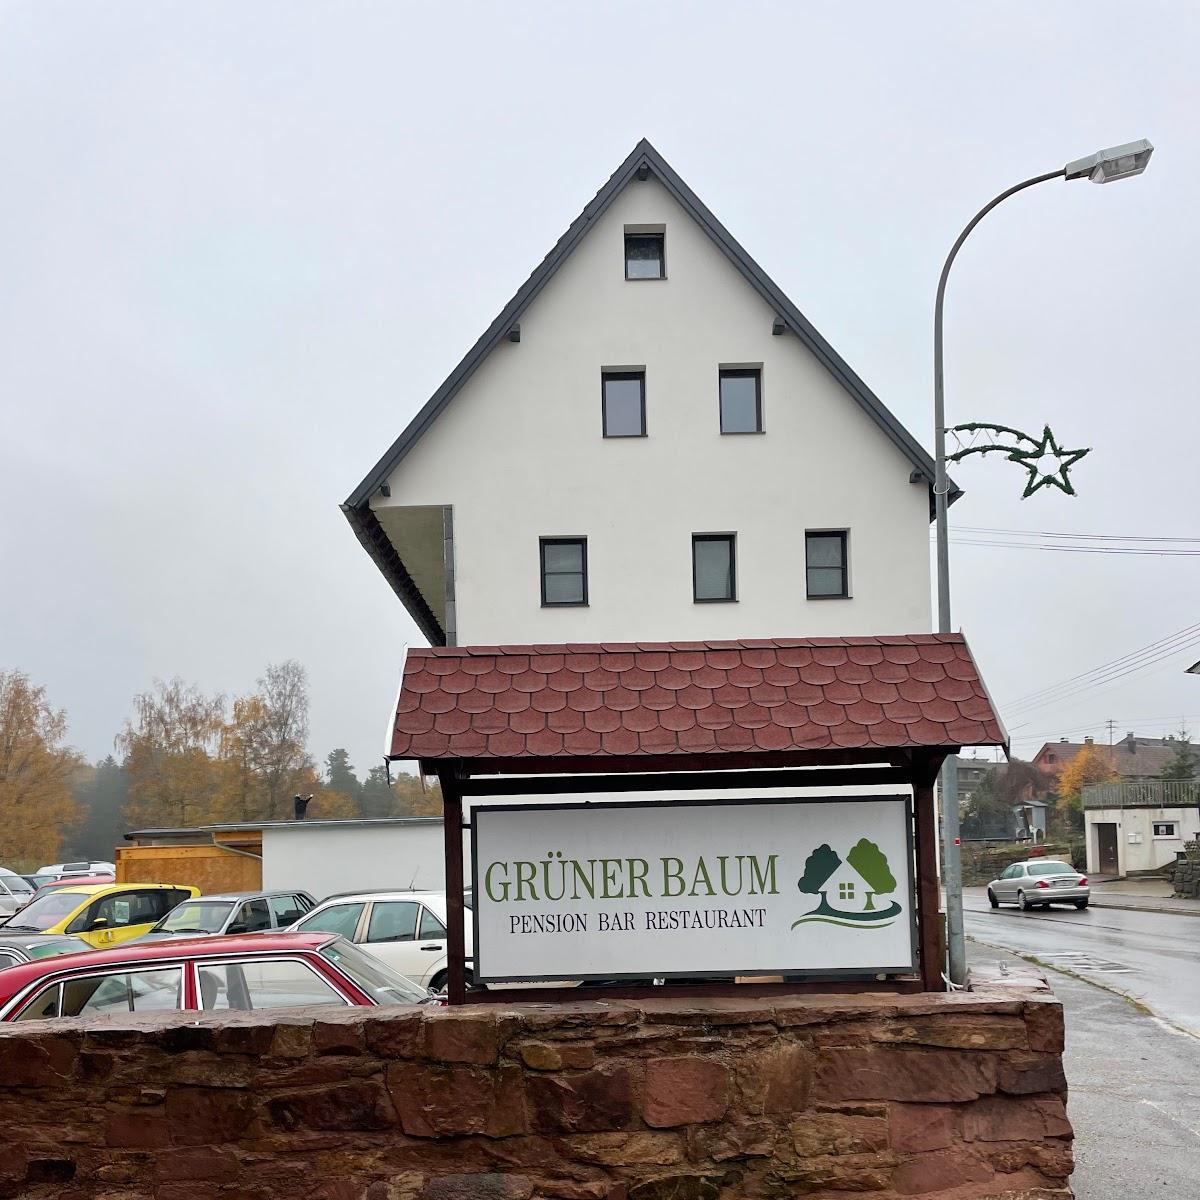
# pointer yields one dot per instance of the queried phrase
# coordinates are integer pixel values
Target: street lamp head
(1117, 162)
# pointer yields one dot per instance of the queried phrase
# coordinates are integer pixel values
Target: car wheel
(1081, 904)
(439, 981)
(992, 899)
(1022, 903)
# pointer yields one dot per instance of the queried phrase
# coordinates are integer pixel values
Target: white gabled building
(651, 442)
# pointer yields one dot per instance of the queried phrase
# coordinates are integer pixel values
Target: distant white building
(1132, 828)
(651, 442)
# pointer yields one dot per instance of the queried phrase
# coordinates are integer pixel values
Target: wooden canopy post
(450, 777)
(925, 770)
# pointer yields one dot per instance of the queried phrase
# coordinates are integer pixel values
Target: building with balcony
(1134, 828)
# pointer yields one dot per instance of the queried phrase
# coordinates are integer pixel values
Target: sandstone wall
(956, 1097)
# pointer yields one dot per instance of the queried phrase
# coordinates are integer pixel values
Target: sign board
(648, 889)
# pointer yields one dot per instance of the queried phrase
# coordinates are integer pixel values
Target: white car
(15, 892)
(79, 868)
(405, 929)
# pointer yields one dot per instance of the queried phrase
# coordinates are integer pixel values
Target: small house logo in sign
(849, 888)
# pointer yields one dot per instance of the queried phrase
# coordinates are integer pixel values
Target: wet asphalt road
(1153, 957)
(1134, 1097)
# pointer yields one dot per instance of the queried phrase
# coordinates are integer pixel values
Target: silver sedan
(1038, 883)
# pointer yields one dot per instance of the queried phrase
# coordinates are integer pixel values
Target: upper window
(644, 257)
(564, 571)
(714, 574)
(825, 561)
(741, 400)
(1164, 829)
(624, 399)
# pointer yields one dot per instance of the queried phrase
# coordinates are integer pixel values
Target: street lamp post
(1106, 166)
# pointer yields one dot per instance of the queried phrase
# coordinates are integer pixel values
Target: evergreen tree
(341, 777)
(1182, 764)
(102, 793)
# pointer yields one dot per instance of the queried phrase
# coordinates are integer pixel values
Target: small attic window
(645, 256)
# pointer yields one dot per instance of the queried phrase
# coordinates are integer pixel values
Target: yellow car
(102, 914)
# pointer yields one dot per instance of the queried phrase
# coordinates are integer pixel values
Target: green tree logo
(870, 865)
(820, 865)
(869, 861)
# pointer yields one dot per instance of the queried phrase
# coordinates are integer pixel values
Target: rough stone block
(351, 1106)
(1045, 1026)
(554, 1056)
(678, 1187)
(940, 1171)
(207, 1116)
(1026, 1074)
(957, 1032)
(816, 1135)
(1000, 1119)
(466, 1037)
(599, 1099)
(137, 1130)
(684, 1091)
(394, 1036)
(202, 1163)
(636, 1149)
(776, 1079)
(735, 1140)
(42, 1061)
(838, 1175)
(917, 1127)
(445, 1101)
(934, 1076)
(478, 1187)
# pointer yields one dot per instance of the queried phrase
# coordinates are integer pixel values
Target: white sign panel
(654, 889)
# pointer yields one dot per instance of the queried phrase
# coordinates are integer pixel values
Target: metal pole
(948, 789)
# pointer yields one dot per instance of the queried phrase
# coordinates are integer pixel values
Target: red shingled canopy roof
(650, 699)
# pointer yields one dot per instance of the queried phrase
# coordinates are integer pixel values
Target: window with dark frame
(826, 569)
(623, 398)
(644, 256)
(741, 400)
(714, 568)
(564, 572)
(1164, 829)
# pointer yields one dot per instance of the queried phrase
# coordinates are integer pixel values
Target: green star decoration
(1047, 464)
(1045, 460)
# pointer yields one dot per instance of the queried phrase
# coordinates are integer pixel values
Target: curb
(1178, 912)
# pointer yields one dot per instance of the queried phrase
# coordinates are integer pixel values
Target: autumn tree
(36, 805)
(1090, 765)
(168, 747)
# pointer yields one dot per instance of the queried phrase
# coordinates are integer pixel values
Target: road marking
(1158, 1108)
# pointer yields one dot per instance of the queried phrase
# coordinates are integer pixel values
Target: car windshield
(17, 884)
(196, 916)
(380, 982)
(1050, 868)
(46, 911)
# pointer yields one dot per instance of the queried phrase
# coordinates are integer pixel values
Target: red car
(246, 972)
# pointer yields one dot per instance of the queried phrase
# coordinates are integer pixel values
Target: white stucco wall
(1137, 847)
(326, 858)
(519, 455)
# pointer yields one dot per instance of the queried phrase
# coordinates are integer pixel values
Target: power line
(1136, 660)
(1112, 537)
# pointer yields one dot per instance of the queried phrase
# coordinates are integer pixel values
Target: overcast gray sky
(241, 243)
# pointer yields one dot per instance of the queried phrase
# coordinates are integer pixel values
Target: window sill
(564, 604)
(742, 432)
(645, 279)
(623, 437)
(714, 599)
(846, 596)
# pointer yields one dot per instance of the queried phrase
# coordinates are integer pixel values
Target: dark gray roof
(643, 158)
